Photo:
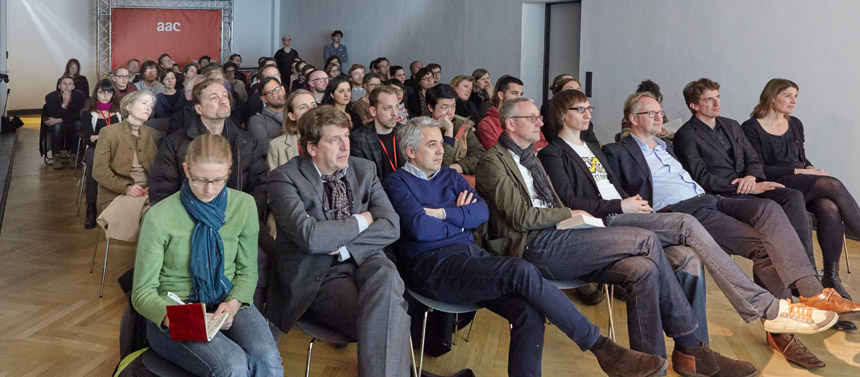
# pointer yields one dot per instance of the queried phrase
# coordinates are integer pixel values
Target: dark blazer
(707, 161)
(306, 233)
(364, 143)
(574, 182)
(72, 112)
(764, 145)
(627, 163)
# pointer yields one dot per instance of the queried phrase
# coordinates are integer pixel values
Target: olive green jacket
(512, 215)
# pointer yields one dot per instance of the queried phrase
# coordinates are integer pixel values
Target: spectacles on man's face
(151, 70)
(274, 90)
(320, 79)
(530, 118)
(203, 182)
(581, 109)
(436, 73)
(653, 114)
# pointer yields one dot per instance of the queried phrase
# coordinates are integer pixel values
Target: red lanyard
(105, 117)
(394, 145)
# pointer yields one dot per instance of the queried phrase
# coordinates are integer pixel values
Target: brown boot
(703, 361)
(619, 361)
(794, 351)
(830, 300)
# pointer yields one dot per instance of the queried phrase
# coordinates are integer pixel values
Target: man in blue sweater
(439, 259)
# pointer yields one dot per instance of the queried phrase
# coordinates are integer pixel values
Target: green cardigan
(163, 251)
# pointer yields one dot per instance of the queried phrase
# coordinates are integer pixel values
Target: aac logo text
(168, 26)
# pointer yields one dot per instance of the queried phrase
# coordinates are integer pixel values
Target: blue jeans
(510, 287)
(65, 137)
(629, 257)
(246, 349)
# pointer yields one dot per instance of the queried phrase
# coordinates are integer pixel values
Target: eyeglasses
(531, 118)
(202, 182)
(436, 73)
(320, 79)
(108, 93)
(151, 70)
(122, 76)
(275, 90)
(653, 114)
(581, 109)
(447, 107)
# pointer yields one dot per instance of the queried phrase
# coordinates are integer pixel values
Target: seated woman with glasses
(125, 151)
(201, 244)
(778, 138)
(172, 99)
(102, 110)
(417, 102)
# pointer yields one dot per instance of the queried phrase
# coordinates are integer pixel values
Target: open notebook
(190, 322)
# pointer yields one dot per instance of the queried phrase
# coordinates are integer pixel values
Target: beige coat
(113, 155)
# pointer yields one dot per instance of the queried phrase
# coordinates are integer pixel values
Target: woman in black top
(778, 139)
(101, 110)
(172, 100)
(73, 70)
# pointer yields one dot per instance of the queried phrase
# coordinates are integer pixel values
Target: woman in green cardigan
(201, 244)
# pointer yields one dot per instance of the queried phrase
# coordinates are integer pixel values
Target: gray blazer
(307, 233)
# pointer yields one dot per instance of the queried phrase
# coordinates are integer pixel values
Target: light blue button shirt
(420, 174)
(671, 184)
(343, 253)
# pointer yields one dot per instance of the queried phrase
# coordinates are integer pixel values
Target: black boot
(90, 222)
(831, 279)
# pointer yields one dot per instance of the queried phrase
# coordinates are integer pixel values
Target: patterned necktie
(339, 197)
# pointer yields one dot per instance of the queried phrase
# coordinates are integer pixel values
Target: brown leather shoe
(794, 351)
(703, 361)
(589, 294)
(618, 361)
(830, 300)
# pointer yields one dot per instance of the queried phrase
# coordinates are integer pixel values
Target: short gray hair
(132, 98)
(509, 109)
(410, 133)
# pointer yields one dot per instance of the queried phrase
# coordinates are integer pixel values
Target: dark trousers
(92, 187)
(366, 303)
(65, 136)
(756, 229)
(629, 257)
(794, 206)
(510, 287)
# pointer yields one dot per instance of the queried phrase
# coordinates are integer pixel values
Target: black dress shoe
(844, 326)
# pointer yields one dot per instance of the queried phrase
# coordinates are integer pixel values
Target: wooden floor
(52, 322)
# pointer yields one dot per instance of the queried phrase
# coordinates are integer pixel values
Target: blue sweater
(421, 233)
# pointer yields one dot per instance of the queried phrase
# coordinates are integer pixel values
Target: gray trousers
(366, 303)
(749, 300)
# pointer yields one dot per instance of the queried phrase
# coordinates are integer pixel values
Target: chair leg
(423, 338)
(456, 329)
(845, 249)
(104, 269)
(80, 142)
(609, 290)
(95, 248)
(81, 190)
(412, 355)
(308, 364)
(469, 334)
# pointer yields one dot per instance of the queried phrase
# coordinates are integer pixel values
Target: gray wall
(741, 45)
(44, 34)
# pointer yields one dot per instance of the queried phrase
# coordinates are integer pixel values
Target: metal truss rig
(103, 29)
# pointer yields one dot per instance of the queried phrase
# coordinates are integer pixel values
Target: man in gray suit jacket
(333, 220)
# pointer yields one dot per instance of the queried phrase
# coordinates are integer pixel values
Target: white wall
(532, 50)
(4, 16)
(741, 45)
(44, 34)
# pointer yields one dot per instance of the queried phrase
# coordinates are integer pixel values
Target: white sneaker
(800, 319)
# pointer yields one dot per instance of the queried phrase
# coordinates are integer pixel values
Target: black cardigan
(574, 183)
(763, 145)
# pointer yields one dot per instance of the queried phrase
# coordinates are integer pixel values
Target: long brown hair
(768, 94)
(69, 64)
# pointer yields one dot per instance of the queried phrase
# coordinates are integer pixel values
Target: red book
(190, 322)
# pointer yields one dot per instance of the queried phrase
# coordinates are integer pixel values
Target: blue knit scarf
(208, 283)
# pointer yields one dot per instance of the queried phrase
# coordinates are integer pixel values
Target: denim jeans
(629, 257)
(510, 287)
(756, 229)
(748, 299)
(246, 349)
(65, 137)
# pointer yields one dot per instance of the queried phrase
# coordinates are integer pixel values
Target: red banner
(145, 34)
